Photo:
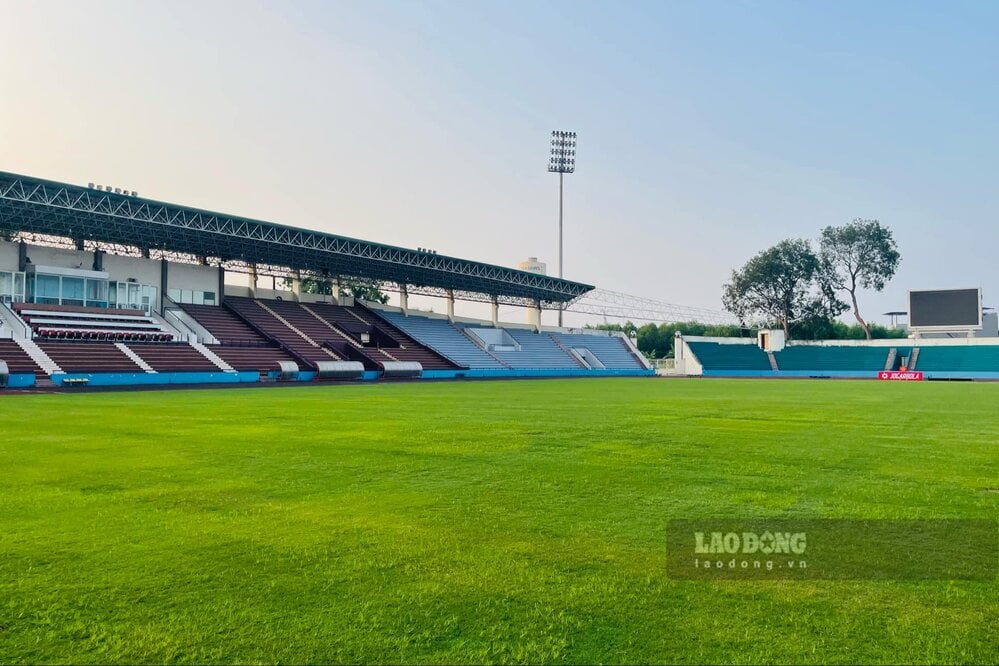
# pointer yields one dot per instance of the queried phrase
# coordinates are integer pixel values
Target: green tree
(859, 255)
(368, 290)
(781, 285)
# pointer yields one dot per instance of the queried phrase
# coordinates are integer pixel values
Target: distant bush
(656, 341)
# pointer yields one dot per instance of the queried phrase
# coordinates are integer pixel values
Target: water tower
(532, 265)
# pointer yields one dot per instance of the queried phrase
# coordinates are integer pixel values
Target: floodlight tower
(561, 160)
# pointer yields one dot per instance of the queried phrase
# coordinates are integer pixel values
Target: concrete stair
(297, 331)
(138, 360)
(478, 344)
(213, 357)
(36, 354)
(890, 361)
(569, 353)
(333, 327)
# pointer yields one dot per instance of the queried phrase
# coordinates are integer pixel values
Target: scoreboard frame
(963, 327)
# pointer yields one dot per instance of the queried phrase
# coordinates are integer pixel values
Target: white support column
(450, 305)
(404, 299)
(336, 291)
(534, 315)
(253, 280)
(495, 311)
(296, 286)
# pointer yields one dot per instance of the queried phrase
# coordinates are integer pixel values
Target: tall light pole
(561, 160)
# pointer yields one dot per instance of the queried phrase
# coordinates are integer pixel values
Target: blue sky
(708, 130)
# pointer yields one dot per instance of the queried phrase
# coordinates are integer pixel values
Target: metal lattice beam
(37, 206)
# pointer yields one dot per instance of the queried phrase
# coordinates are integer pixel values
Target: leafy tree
(859, 255)
(367, 290)
(656, 341)
(782, 284)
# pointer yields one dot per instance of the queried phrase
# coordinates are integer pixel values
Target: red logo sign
(901, 375)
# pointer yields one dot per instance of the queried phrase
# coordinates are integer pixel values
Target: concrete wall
(57, 256)
(192, 276)
(143, 271)
(8, 256)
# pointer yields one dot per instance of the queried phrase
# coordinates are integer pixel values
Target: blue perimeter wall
(160, 378)
(511, 373)
(842, 374)
(156, 378)
(20, 380)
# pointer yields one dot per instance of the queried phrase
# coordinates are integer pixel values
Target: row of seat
(846, 358)
(717, 356)
(446, 338)
(408, 349)
(87, 334)
(89, 357)
(612, 351)
(16, 358)
(837, 358)
(66, 322)
(967, 358)
(259, 318)
(537, 350)
(312, 332)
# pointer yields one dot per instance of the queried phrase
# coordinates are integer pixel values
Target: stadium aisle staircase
(443, 337)
(537, 350)
(612, 351)
(406, 348)
(18, 360)
(242, 347)
(306, 351)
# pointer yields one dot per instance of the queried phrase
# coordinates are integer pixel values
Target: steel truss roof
(39, 206)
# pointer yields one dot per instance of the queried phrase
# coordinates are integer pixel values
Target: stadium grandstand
(932, 358)
(105, 288)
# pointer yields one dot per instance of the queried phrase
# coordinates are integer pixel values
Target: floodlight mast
(561, 160)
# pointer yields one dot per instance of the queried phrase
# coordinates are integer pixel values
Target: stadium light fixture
(561, 160)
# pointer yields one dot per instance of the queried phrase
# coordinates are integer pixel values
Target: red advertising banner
(901, 375)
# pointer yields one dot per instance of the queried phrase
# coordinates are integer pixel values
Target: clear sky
(707, 130)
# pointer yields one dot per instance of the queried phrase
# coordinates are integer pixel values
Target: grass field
(482, 521)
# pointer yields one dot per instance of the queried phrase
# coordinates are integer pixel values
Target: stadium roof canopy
(32, 205)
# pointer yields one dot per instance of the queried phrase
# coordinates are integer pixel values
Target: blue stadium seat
(443, 337)
(611, 351)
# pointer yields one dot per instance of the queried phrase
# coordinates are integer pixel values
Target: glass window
(209, 298)
(47, 288)
(6, 284)
(18, 286)
(134, 299)
(72, 290)
(174, 295)
(97, 293)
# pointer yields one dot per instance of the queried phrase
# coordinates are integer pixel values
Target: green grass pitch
(514, 521)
